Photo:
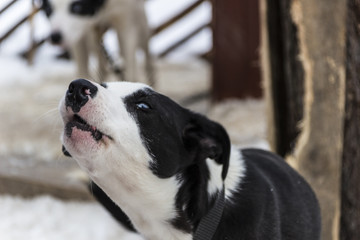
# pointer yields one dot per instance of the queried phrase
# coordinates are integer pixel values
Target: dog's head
(119, 124)
(70, 19)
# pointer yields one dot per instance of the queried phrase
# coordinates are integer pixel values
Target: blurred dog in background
(79, 25)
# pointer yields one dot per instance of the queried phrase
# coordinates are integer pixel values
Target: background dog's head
(121, 124)
(71, 19)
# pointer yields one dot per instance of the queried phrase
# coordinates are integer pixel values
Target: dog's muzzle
(78, 94)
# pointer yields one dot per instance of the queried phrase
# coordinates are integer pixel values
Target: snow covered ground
(30, 124)
(47, 218)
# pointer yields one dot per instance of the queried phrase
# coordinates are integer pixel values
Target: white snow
(47, 218)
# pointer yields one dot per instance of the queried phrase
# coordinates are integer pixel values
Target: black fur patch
(46, 7)
(176, 137)
(272, 202)
(104, 85)
(180, 141)
(86, 8)
(115, 211)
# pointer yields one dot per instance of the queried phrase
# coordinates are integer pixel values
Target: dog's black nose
(56, 38)
(78, 94)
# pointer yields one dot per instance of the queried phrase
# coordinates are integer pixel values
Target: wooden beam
(287, 75)
(177, 17)
(7, 6)
(182, 41)
(23, 20)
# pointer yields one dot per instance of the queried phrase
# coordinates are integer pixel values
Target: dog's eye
(142, 106)
(77, 7)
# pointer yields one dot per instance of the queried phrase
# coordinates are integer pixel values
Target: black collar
(210, 222)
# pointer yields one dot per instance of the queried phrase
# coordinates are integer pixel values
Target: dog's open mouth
(82, 125)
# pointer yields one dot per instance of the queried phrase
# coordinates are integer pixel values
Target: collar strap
(210, 222)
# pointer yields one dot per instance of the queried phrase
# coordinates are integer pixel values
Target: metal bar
(30, 56)
(182, 41)
(6, 35)
(33, 48)
(7, 6)
(176, 17)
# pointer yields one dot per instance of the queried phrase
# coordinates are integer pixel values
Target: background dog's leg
(128, 43)
(81, 57)
(149, 68)
(97, 45)
(144, 39)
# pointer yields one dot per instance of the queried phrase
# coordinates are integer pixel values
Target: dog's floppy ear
(204, 139)
(65, 152)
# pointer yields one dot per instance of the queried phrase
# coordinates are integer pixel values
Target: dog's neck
(201, 185)
(174, 208)
(147, 200)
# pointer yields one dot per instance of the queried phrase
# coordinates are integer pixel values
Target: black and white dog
(79, 25)
(175, 174)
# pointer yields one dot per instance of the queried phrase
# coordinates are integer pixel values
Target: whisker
(46, 114)
(93, 69)
(91, 189)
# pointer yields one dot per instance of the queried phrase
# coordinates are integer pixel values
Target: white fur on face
(71, 27)
(108, 114)
(120, 163)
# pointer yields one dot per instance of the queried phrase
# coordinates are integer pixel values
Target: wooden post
(285, 75)
(236, 69)
(350, 188)
(304, 58)
(318, 151)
